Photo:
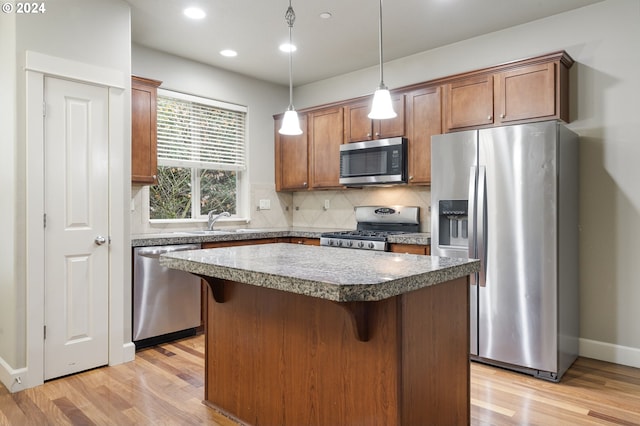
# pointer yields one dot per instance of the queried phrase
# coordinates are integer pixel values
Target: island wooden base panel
(280, 358)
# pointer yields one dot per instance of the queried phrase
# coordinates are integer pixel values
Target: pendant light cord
(290, 17)
(382, 86)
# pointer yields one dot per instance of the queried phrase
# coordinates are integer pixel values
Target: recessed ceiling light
(286, 47)
(325, 15)
(194, 13)
(229, 53)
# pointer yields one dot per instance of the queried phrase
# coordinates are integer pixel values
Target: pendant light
(290, 122)
(381, 107)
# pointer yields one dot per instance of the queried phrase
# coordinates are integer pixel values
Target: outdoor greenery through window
(201, 155)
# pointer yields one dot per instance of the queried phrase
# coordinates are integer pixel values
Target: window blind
(198, 132)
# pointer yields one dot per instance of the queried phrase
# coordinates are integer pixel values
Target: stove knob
(360, 244)
(349, 243)
(330, 242)
(339, 243)
(370, 245)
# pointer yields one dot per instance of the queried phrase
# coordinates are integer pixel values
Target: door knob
(100, 240)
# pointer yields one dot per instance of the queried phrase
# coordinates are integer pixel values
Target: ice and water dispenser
(453, 223)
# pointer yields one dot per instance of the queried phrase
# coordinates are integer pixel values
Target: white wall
(96, 34)
(604, 40)
(262, 99)
(11, 312)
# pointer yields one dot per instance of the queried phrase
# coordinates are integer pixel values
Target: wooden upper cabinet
(291, 158)
(424, 119)
(359, 127)
(526, 93)
(394, 126)
(530, 90)
(144, 132)
(469, 102)
(325, 137)
(527, 90)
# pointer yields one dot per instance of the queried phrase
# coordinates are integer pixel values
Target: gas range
(374, 225)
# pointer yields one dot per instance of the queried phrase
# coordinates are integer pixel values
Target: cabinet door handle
(489, 118)
(502, 115)
(304, 184)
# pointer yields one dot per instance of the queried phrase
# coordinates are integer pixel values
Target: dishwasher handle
(156, 251)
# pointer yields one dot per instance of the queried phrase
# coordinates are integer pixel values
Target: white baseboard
(603, 351)
(16, 379)
(13, 379)
(128, 352)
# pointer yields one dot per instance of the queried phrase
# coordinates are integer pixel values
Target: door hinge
(45, 332)
(44, 220)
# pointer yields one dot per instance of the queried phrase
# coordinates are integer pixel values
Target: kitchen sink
(224, 231)
(207, 232)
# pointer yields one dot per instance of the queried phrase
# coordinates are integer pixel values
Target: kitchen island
(306, 335)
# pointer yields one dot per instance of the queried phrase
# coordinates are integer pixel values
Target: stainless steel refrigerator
(509, 197)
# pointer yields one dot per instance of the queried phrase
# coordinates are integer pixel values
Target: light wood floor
(164, 386)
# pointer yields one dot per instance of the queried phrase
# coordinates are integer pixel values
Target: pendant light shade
(290, 121)
(381, 106)
(290, 124)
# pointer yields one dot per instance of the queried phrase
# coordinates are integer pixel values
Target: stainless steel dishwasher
(166, 302)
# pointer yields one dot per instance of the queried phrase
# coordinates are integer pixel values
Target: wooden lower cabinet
(217, 244)
(305, 241)
(410, 249)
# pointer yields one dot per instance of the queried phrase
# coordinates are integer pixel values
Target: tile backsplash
(302, 209)
(309, 207)
(279, 213)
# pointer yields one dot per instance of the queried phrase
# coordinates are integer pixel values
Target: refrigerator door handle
(481, 225)
(471, 223)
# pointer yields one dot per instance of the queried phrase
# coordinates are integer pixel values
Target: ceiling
(348, 41)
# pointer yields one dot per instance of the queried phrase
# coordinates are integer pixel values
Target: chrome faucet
(213, 219)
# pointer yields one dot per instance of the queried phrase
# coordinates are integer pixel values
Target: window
(201, 157)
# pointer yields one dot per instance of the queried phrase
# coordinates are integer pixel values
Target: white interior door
(76, 227)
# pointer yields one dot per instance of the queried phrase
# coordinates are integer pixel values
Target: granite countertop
(186, 237)
(339, 275)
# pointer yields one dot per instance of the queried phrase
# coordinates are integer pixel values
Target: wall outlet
(265, 204)
(327, 204)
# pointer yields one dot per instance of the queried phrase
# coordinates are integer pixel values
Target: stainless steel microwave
(381, 161)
